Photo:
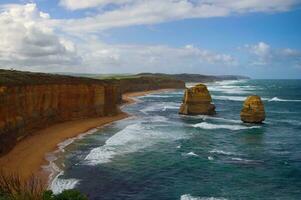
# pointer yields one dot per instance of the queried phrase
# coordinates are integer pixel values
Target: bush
(13, 187)
(65, 195)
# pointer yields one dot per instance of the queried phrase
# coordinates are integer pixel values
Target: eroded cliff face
(26, 108)
(253, 110)
(196, 101)
(32, 101)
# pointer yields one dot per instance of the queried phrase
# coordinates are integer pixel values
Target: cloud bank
(146, 12)
(32, 40)
(26, 40)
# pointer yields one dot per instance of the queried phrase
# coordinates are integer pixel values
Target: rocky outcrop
(253, 110)
(197, 100)
(31, 101)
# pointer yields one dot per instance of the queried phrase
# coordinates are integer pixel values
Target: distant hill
(183, 77)
(195, 77)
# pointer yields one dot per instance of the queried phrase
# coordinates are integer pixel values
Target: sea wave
(189, 197)
(131, 139)
(228, 153)
(244, 161)
(243, 98)
(161, 106)
(229, 98)
(205, 117)
(191, 154)
(205, 125)
(58, 185)
(284, 100)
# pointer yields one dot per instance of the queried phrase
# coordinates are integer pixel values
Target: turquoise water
(158, 154)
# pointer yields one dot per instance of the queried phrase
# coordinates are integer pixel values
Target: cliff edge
(32, 101)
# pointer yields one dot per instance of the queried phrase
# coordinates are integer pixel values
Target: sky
(256, 38)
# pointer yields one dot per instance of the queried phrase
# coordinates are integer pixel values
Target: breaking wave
(189, 197)
(284, 100)
(131, 139)
(221, 152)
(58, 185)
(205, 125)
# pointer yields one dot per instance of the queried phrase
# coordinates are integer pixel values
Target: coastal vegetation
(14, 187)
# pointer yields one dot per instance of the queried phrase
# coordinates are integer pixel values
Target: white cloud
(139, 58)
(26, 40)
(83, 4)
(145, 12)
(32, 40)
(30, 43)
(263, 54)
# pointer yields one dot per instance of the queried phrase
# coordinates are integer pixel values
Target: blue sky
(256, 38)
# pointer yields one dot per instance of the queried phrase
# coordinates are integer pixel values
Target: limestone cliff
(253, 110)
(197, 100)
(140, 84)
(31, 101)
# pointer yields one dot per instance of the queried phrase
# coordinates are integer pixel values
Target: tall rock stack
(253, 110)
(197, 101)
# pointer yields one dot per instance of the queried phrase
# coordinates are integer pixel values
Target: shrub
(65, 195)
(13, 187)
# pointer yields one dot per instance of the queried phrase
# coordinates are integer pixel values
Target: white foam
(205, 125)
(155, 96)
(216, 151)
(170, 108)
(58, 185)
(229, 98)
(210, 158)
(189, 197)
(205, 117)
(284, 100)
(161, 106)
(245, 161)
(131, 139)
(192, 154)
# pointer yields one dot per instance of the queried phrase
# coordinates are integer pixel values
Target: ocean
(159, 155)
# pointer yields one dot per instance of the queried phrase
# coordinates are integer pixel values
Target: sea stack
(253, 110)
(197, 101)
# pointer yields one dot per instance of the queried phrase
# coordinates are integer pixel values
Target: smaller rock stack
(196, 101)
(253, 110)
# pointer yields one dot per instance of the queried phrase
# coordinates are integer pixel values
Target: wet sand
(27, 157)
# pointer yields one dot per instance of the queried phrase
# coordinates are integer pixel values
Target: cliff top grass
(13, 77)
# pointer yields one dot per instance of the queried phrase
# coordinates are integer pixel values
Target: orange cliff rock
(253, 110)
(197, 100)
(31, 101)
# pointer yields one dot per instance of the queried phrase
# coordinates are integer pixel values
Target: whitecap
(229, 98)
(244, 161)
(192, 154)
(132, 138)
(205, 125)
(58, 185)
(284, 100)
(162, 106)
(205, 117)
(216, 151)
(189, 197)
(210, 158)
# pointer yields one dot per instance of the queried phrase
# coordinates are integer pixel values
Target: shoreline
(29, 156)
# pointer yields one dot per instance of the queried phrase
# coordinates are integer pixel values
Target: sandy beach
(27, 157)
